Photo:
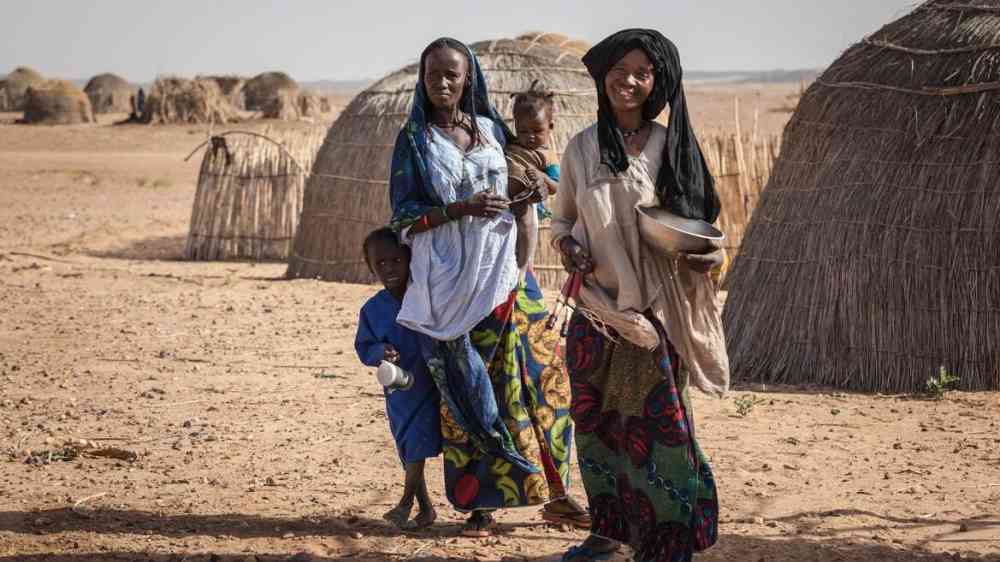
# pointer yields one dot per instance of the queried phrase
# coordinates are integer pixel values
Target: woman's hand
(703, 263)
(574, 257)
(483, 204)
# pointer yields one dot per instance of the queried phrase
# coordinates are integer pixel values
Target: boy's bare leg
(400, 515)
(426, 514)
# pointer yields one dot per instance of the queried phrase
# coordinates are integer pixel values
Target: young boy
(413, 413)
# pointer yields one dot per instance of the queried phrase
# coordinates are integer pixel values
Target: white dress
(462, 270)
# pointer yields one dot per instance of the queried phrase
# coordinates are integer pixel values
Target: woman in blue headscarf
(505, 395)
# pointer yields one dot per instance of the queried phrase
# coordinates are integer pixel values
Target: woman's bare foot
(399, 515)
(425, 518)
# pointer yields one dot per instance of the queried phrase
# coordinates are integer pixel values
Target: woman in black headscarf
(646, 323)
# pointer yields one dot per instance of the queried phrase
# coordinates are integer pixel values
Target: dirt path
(258, 435)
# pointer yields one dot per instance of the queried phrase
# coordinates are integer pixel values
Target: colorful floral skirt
(531, 389)
(648, 483)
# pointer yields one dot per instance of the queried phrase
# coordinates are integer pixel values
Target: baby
(413, 412)
(532, 166)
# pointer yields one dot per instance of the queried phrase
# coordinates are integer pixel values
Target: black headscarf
(684, 185)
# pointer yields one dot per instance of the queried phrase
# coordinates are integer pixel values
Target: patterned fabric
(533, 399)
(413, 413)
(410, 187)
(648, 483)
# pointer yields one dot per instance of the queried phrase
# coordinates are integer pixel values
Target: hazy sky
(346, 40)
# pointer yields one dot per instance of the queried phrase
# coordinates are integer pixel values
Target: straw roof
(873, 258)
(347, 193)
(249, 195)
(577, 47)
(261, 90)
(57, 102)
(109, 93)
(231, 87)
(180, 100)
(14, 88)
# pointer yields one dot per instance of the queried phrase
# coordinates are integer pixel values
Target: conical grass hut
(14, 88)
(109, 93)
(260, 91)
(249, 195)
(180, 100)
(347, 193)
(873, 258)
(231, 87)
(57, 102)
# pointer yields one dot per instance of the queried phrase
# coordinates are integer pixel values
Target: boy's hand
(390, 354)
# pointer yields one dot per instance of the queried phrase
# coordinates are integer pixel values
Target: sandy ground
(258, 435)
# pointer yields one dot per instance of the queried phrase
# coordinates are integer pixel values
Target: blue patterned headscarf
(410, 190)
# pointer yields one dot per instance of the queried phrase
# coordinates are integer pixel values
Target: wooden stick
(80, 502)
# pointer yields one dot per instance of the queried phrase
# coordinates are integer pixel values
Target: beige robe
(597, 208)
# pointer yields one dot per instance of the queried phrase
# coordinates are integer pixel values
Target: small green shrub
(746, 403)
(943, 382)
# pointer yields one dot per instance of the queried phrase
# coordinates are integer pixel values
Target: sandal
(479, 525)
(589, 554)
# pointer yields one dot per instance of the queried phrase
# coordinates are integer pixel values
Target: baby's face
(533, 130)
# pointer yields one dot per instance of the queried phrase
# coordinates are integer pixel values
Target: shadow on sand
(336, 534)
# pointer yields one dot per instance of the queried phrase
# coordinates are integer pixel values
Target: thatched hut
(14, 88)
(57, 102)
(231, 87)
(873, 258)
(109, 93)
(260, 91)
(576, 47)
(283, 106)
(180, 100)
(249, 195)
(310, 104)
(347, 193)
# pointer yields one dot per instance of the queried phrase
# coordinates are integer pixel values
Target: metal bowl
(669, 234)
